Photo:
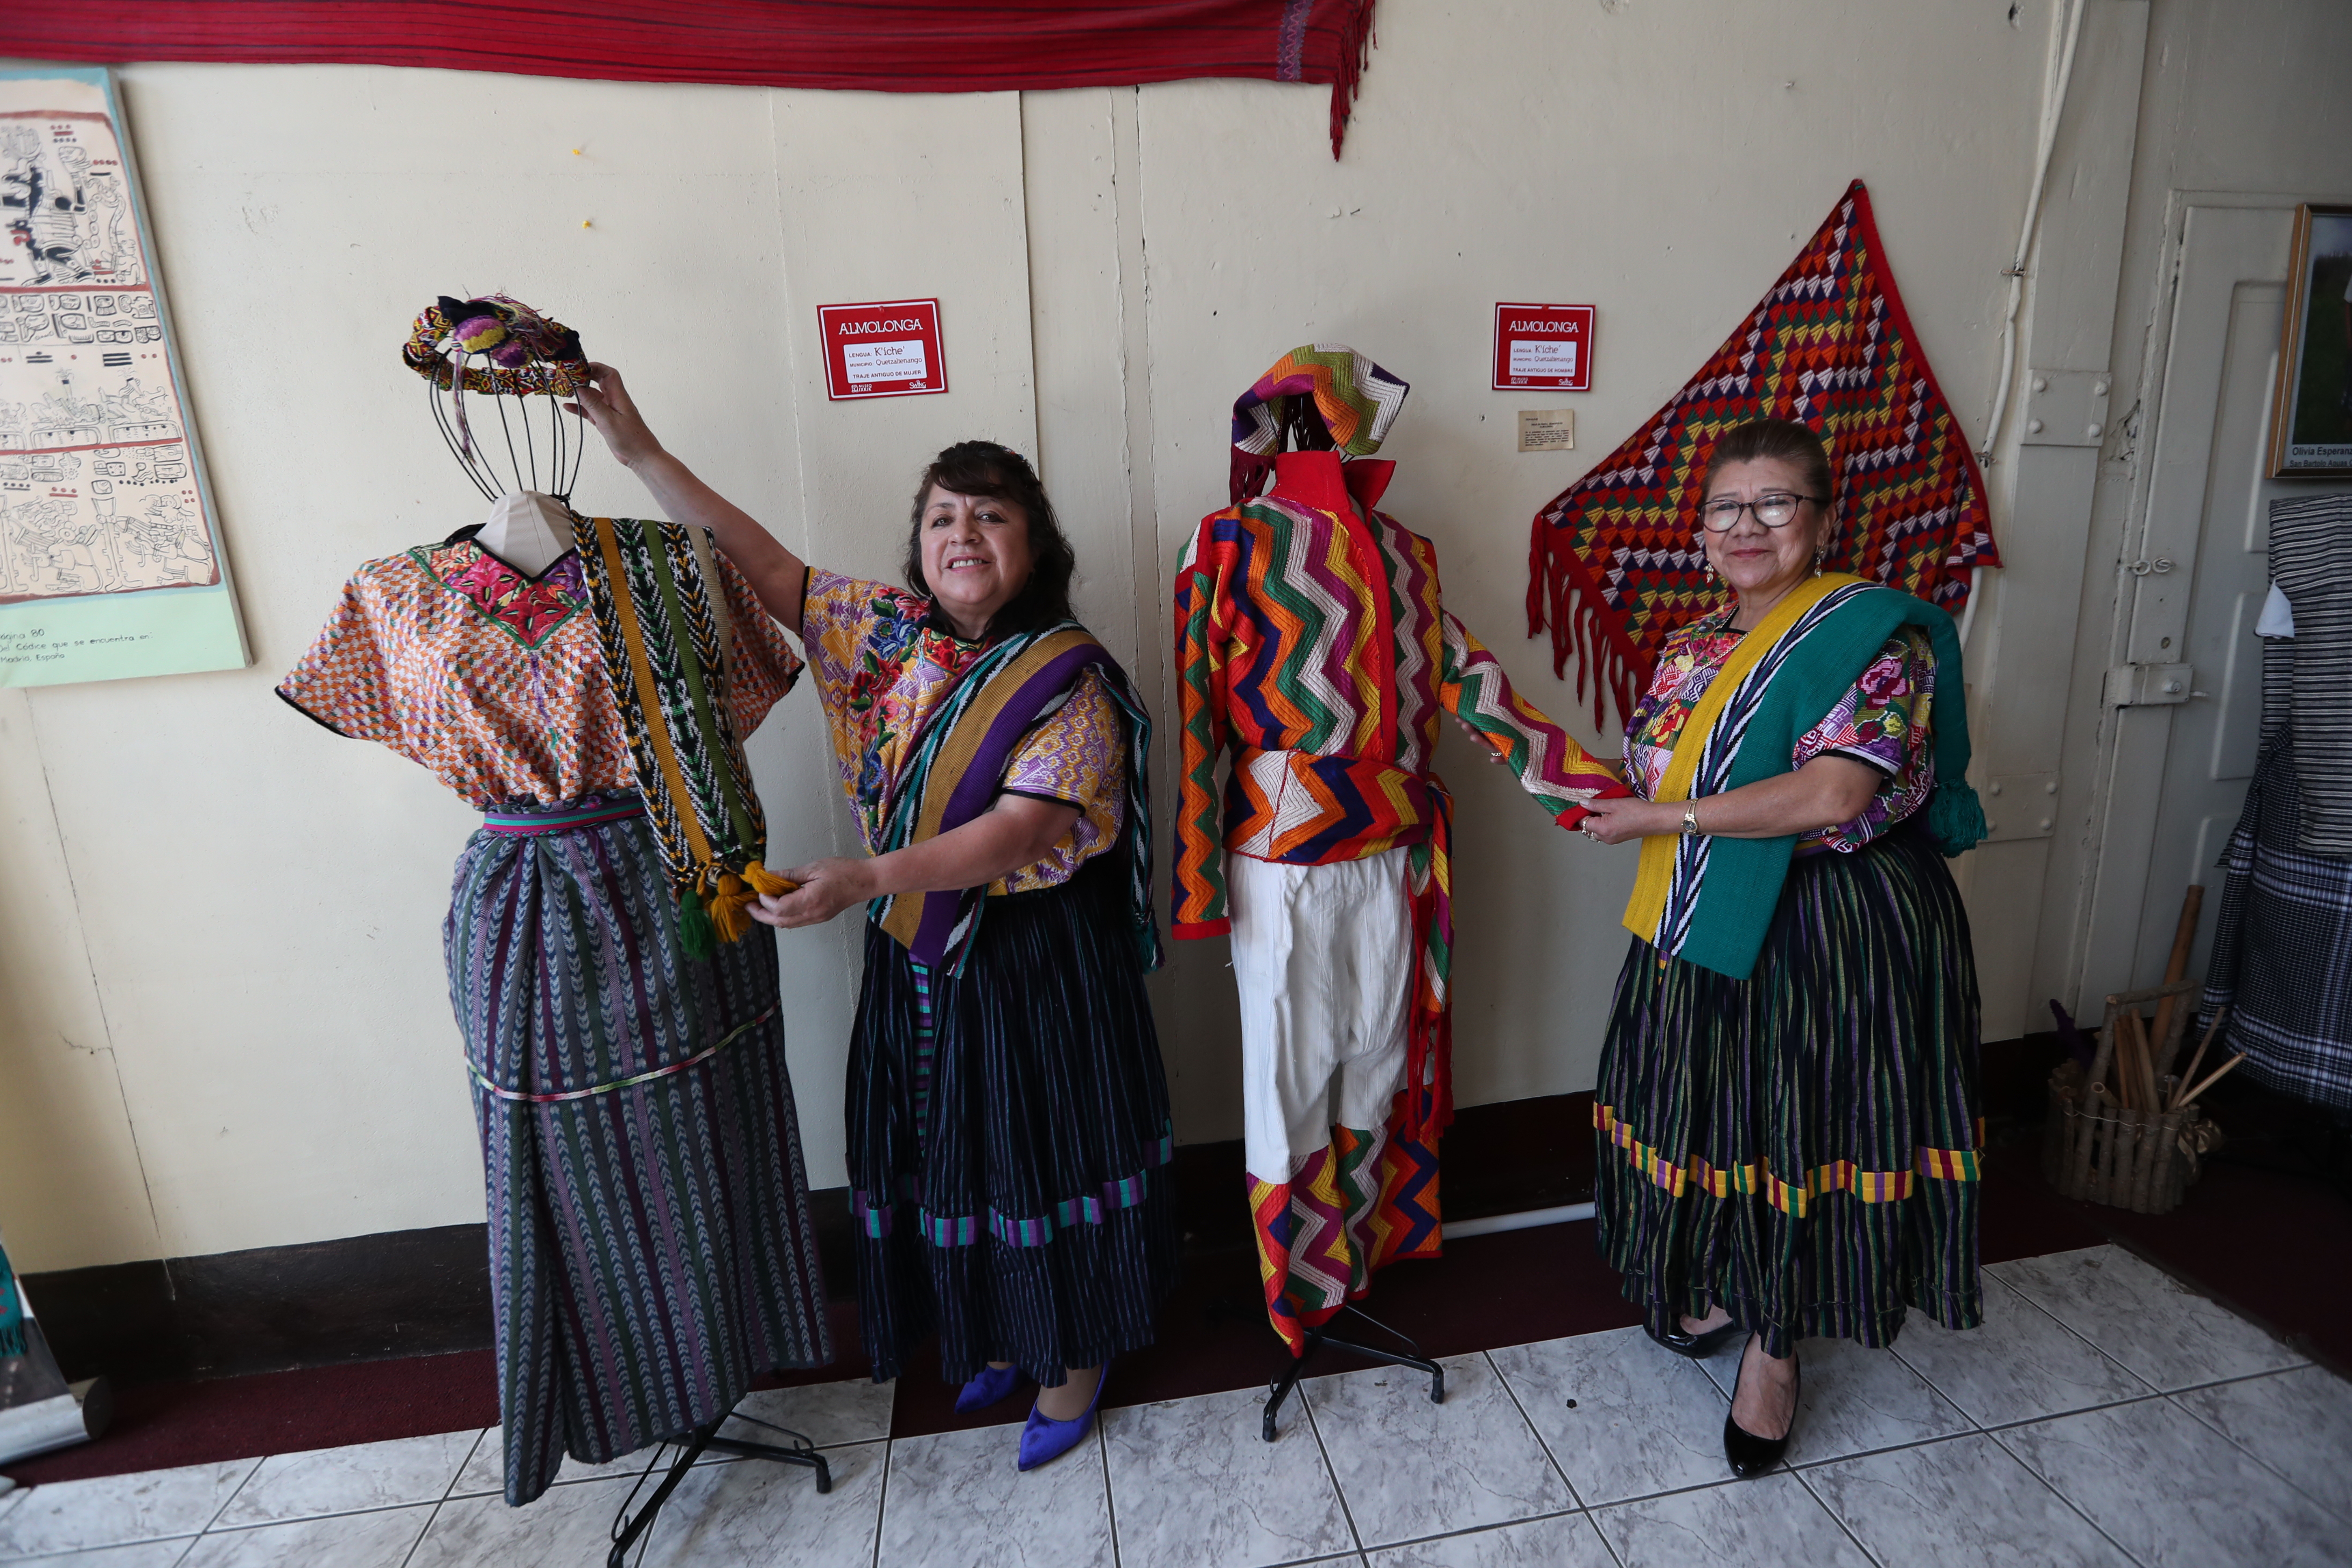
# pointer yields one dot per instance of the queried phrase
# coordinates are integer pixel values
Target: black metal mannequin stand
(627, 1528)
(1316, 1337)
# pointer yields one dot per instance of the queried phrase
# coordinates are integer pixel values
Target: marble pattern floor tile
(350, 1479)
(2021, 1364)
(955, 1498)
(2299, 1422)
(1408, 1468)
(486, 1473)
(1966, 1503)
(2153, 1324)
(380, 1539)
(1193, 1485)
(1770, 1522)
(747, 1514)
(139, 1554)
(565, 1527)
(1562, 1540)
(109, 1510)
(853, 1410)
(1852, 1401)
(2175, 1493)
(1644, 1420)
(760, 1515)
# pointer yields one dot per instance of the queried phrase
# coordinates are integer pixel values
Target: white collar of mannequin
(528, 530)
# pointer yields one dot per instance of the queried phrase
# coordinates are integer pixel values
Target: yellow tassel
(728, 907)
(765, 881)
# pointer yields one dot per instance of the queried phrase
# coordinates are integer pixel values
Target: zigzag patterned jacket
(1311, 638)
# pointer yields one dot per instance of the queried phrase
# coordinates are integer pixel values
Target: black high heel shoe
(1699, 1347)
(1750, 1455)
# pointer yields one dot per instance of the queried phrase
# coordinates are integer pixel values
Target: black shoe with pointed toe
(1753, 1455)
(1699, 1347)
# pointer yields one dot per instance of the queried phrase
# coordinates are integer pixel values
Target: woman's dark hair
(985, 469)
(1783, 440)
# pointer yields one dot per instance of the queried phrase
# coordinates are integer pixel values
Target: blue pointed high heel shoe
(992, 1384)
(1045, 1439)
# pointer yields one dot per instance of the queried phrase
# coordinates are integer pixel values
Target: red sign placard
(890, 349)
(1544, 347)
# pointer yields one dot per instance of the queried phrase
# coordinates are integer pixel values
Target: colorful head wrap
(524, 352)
(1329, 385)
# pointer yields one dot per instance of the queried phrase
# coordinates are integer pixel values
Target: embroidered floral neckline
(528, 609)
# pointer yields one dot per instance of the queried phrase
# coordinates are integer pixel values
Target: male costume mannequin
(1312, 640)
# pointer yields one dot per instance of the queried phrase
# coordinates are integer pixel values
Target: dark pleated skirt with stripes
(1800, 1146)
(650, 1247)
(1009, 1141)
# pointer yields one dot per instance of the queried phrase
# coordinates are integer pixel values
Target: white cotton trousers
(1323, 960)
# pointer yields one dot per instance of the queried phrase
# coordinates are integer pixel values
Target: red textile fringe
(1584, 632)
(885, 46)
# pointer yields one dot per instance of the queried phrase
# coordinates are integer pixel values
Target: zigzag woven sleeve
(1200, 639)
(1560, 774)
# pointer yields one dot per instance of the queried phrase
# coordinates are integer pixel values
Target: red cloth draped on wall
(886, 46)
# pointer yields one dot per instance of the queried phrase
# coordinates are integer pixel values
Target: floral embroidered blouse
(1883, 721)
(495, 680)
(881, 669)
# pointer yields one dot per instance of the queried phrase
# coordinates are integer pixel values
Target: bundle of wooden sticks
(2132, 1070)
(2127, 1131)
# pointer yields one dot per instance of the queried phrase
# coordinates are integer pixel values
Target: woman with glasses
(1788, 1096)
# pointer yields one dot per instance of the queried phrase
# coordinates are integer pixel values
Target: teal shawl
(1710, 901)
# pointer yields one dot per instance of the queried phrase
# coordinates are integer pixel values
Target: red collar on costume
(1321, 480)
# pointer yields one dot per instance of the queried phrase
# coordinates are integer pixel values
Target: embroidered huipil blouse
(882, 669)
(1883, 721)
(495, 680)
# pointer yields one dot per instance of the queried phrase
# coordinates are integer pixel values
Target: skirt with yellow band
(1804, 1146)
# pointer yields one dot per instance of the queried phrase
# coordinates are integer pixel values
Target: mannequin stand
(628, 1527)
(1410, 1357)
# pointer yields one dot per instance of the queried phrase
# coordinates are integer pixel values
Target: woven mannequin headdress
(522, 353)
(1321, 395)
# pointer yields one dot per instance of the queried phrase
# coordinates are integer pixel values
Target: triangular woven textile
(1615, 564)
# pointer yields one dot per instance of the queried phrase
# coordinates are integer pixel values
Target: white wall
(222, 1021)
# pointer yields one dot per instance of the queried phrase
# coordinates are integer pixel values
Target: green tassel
(1955, 817)
(695, 937)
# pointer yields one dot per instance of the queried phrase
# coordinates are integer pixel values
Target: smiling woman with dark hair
(1008, 1114)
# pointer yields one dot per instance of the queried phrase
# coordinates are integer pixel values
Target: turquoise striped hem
(876, 1220)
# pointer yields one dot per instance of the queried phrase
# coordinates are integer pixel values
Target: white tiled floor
(2103, 1417)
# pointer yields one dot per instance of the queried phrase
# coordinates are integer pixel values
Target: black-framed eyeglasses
(1777, 510)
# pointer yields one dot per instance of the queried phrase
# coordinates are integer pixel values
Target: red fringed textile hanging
(886, 46)
(1615, 566)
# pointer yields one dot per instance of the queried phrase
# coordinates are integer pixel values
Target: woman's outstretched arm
(776, 574)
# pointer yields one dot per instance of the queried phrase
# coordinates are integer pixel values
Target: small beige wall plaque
(1547, 430)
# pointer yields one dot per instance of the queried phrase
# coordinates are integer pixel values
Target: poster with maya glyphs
(110, 558)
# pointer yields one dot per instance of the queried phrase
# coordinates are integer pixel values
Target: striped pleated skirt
(1009, 1141)
(650, 1245)
(1800, 1146)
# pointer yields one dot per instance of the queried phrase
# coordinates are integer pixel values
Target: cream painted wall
(224, 1023)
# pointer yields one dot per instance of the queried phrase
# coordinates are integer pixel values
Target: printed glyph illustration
(97, 493)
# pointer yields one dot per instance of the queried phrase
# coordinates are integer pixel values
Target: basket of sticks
(2129, 1131)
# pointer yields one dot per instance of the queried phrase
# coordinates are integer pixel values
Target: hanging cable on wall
(2015, 273)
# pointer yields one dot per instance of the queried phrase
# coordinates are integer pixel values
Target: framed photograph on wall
(2311, 417)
